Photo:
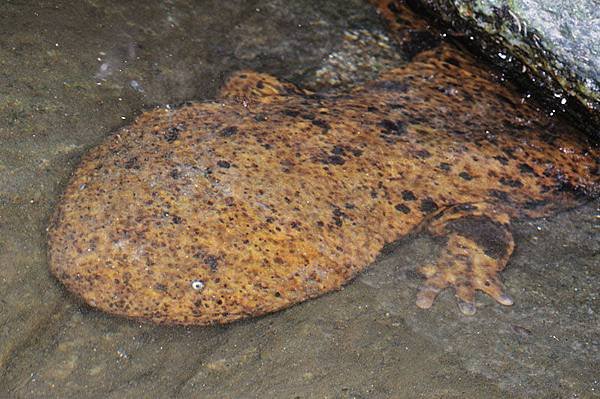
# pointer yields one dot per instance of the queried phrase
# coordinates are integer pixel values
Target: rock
(553, 44)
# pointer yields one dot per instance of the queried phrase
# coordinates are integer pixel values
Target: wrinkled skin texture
(272, 195)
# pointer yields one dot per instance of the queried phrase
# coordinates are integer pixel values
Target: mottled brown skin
(273, 195)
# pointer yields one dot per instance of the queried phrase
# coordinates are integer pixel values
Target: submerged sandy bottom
(72, 74)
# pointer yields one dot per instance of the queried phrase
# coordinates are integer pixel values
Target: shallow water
(72, 73)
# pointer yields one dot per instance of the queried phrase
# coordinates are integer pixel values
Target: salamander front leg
(479, 246)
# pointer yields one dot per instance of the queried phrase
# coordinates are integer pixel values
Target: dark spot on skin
(286, 165)
(357, 153)
(423, 154)
(338, 150)
(550, 170)
(333, 160)
(418, 119)
(394, 128)
(499, 194)
(488, 234)
(453, 61)
(510, 152)
(260, 118)
(295, 225)
(501, 159)
(176, 219)
(174, 174)
(291, 112)
(465, 175)
(339, 213)
(402, 208)
(132, 163)
(321, 123)
(260, 84)
(223, 164)
(389, 139)
(445, 166)
(229, 131)
(372, 109)
(312, 96)
(160, 287)
(209, 260)
(428, 205)
(511, 182)
(172, 133)
(524, 168)
(408, 195)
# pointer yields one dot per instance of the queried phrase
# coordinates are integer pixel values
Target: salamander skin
(216, 211)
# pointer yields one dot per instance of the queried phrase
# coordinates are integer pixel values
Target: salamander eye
(198, 285)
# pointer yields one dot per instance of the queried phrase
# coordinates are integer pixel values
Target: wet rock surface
(552, 45)
(368, 340)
